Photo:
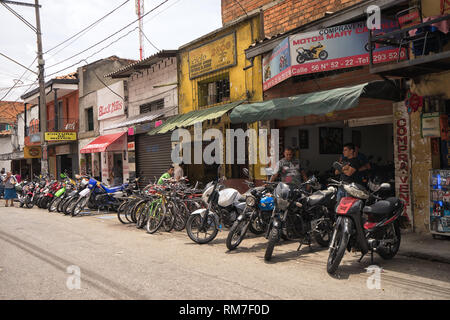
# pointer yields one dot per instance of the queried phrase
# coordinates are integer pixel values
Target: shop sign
(32, 152)
(36, 137)
(64, 149)
(333, 48)
(213, 56)
(131, 145)
(431, 125)
(110, 102)
(402, 158)
(60, 136)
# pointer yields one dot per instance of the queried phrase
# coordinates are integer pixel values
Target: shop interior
(318, 146)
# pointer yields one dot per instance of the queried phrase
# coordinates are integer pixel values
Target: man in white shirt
(179, 172)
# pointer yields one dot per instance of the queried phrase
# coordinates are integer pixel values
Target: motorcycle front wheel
(236, 234)
(323, 55)
(199, 232)
(79, 206)
(337, 252)
(274, 237)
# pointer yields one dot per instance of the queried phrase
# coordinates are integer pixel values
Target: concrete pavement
(40, 253)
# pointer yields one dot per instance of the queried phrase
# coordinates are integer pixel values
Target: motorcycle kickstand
(371, 257)
(362, 256)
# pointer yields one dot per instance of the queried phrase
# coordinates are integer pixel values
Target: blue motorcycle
(98, 196)
(256, 215)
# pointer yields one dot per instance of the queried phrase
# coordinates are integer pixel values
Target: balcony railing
(62, 125)
(420, 50)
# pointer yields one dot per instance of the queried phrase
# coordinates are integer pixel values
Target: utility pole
(140, 12)
(42, 98)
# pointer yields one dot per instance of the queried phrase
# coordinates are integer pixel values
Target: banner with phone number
(333, 48)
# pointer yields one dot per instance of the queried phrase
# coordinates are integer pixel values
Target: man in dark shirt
(288, 169)
(351, 165)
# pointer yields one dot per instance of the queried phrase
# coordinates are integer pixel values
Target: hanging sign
(431, 125)
(32, 152)
(60, 136)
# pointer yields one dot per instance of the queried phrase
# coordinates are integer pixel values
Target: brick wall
(283, 15)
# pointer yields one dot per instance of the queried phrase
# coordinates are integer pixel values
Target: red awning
(101, 143)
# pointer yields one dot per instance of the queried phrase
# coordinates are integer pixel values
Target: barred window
(152, 106)
(214, 90)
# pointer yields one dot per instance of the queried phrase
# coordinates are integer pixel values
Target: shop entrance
(318, 146)
(65, 164)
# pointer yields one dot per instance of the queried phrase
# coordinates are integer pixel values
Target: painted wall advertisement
(110, 102)
(402, 158)
(333, 48)
(277, 65)
(213, 56)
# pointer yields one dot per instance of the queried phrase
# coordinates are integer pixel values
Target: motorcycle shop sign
(110, 102)
(402, 158)
(333, 48)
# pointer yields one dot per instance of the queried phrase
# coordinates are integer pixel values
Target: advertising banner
(213, 56)
(339, 47)
(109, 101)
(277, 65)
(333, 48)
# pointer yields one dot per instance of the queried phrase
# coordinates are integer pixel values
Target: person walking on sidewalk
(10, 190)
(2, 184)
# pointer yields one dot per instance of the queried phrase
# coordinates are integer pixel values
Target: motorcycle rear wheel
(257, 226)
(274, 237)
(389, 253)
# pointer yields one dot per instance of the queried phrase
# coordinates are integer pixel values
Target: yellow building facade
(213, 71)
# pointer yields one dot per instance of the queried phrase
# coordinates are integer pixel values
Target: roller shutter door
(153, 156)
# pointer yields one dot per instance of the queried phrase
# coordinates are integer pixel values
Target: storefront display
(440, 202)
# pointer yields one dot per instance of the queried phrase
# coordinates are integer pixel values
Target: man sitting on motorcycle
(288, 168)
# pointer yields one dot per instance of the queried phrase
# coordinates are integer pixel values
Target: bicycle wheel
(155, 218)
(181, 216)
(121, 213)
(129, 210)
(169, 217)
(140, 214)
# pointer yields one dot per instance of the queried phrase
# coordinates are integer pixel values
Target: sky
(173, 24)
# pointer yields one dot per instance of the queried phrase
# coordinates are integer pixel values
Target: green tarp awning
(190, 118)
(321, 102)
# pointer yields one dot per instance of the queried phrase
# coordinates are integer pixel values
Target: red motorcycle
(365, 222)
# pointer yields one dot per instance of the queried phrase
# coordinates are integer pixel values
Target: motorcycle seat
(383, 207)
(319, 197)
(113, 189)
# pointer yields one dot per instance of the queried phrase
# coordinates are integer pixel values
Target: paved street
(120, 262)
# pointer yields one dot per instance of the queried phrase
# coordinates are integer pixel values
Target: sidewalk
(423, 246)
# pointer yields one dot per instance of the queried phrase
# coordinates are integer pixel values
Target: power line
(85, 29)
(241, 7)
(149, 40)
(110, 36)
(107, 46)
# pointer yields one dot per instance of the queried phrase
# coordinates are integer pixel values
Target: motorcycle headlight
(355, 191)
(282, 204)
(250, 201)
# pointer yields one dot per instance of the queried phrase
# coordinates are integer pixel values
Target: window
(215, 90)
(152, 106)
(90, 119)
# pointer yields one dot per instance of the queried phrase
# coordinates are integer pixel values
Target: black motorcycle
(316, 52)
(300, 215)
(365, 222)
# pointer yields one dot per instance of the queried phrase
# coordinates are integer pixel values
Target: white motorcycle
(224, 205)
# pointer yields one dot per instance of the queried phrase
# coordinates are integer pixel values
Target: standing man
(288, 168)
(179, 171)
(118, 173)
(351, 165)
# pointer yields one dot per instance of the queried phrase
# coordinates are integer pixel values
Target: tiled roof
(5, 133)
(9, 111)
(73, 75)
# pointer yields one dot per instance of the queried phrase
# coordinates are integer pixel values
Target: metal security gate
(153, 156)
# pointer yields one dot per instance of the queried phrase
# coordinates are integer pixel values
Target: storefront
(106, 152)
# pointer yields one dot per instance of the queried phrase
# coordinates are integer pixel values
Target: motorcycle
(98, 195)
(379, 232)
(67, 205)
(259, 203)
(298, 214)
(223, 206)
(66, 187)
(315, 52)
